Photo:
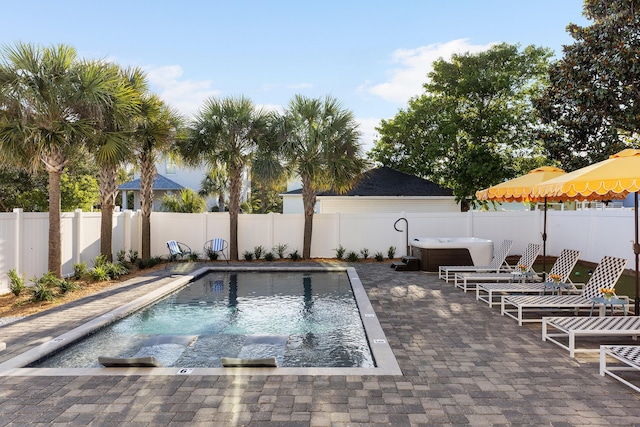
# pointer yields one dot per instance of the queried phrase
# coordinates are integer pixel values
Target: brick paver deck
(463, 364)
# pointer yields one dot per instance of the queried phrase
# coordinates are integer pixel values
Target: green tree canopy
(187, 201)
(474, 119)
(321, 146)
(592, 103)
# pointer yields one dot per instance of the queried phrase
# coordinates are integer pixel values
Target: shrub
(41, 292)
(17, 283)
(194, 256)
(281, 250)
(340, 250)
(121, 255)
(79, 270)
(248, 256)
(99, 273)
(133, 256)
(115, 270)
(211, 254)
(391, 252)
(379, 256)
(269, 256)
(365, 253)
(258, 251)
(149, 262)
(352, 256)
(66, 285)
(100, 260)
(294, 256)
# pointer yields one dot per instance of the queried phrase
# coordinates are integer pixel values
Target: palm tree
(321, 146)
(155, 132)
(226, 131)
(215, 183)
(50, 102)
(269, 172)
(112, 144)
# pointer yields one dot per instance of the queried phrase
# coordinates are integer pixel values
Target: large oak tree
(473, 123)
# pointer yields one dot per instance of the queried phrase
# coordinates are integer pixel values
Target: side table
(604, 302)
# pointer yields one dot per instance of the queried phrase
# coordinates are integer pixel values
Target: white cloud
(407, 79)
(368, 131)
(186, 96)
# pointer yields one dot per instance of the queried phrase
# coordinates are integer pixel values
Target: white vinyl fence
(24, 236)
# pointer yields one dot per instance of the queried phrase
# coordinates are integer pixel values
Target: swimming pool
(378, 361)
(301, 318)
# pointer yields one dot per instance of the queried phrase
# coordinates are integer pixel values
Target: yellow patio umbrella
(519, 190)
(609, 179)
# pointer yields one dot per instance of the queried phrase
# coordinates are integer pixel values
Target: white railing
(24, 236)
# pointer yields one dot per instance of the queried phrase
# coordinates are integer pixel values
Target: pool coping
(386, 363)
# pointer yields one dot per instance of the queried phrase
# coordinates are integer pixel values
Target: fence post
(17, 238)
(77, 241)
(126, 229)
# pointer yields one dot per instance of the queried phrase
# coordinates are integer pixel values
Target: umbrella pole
(636, 251)
(544, 243)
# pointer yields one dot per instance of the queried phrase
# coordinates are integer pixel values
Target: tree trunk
(55, 238)
(309, 202)
(235, 187)
(147, 175)
(108, 191)
(221, 201)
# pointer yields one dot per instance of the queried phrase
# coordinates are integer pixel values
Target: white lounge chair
(492, 293)
(466, 281)
(605, 275)
(496, 265)
(628, 358)
(563, 331)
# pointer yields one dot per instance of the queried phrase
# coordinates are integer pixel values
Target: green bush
(211, 254)
(79, 270)
(258, 251)
(248, 256)
(352, 256)
(281, 250)
(150, 262)
(66, 285)
(115, 270)
(121, 256)
(340, 250)
(17, 283)
(269, 256)
(294, 256)
(391, 252)
(133, 256)
(365, 253)
(379, 256)
(41, 292)
(99, 273)
(100, 260)
(194, 256)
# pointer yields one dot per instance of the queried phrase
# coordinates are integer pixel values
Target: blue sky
(371, 55)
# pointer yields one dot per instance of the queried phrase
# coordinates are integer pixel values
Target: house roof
(385, 181)
(159, 183)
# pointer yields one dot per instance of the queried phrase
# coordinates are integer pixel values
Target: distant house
(161, 186)
(380, 190)
(172, 178)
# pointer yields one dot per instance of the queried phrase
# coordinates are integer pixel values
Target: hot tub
(436, 251)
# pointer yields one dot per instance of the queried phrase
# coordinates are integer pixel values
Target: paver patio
(463, 364)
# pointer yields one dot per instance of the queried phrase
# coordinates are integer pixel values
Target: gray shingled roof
(385, 181)
(159, 183)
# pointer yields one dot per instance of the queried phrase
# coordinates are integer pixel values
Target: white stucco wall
(356, 204)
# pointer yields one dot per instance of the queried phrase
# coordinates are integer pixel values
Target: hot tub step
(409, 263)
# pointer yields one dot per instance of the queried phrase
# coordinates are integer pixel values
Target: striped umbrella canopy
(613, 178)
(519, 190)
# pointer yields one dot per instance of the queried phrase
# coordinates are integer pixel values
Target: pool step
(408, 263)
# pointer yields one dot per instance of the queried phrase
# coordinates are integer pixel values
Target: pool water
(303, 319)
